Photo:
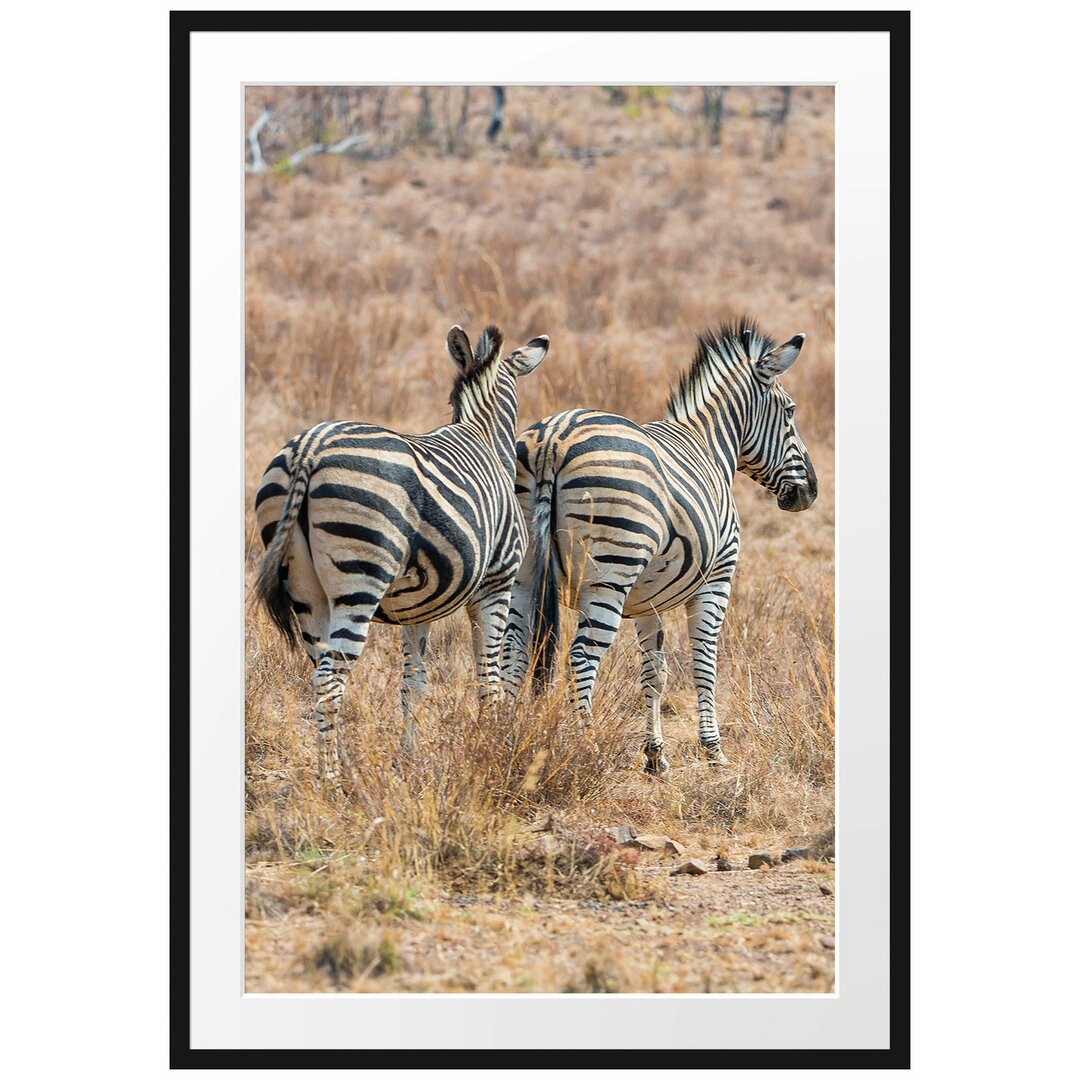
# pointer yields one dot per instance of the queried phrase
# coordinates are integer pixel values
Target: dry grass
(355, 271)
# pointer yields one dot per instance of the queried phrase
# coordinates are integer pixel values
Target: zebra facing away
(630, 521)
(362, 524)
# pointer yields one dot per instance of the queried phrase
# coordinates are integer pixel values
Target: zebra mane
(478, 377)
(719, 351)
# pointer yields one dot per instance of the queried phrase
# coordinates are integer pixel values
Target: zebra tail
(270, 587)
(545, 645)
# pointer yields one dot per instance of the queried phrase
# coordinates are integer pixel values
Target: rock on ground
(694, 866)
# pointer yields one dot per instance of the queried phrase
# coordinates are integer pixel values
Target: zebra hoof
(655, 762)
(714, 754)
(328, 784)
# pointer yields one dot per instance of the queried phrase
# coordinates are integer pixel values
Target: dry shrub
(264, 902)
(601, 974)
(350, 952)
(454, 805)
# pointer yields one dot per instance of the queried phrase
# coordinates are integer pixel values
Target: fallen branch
(325, 148)
(347, 143)
(258, 163)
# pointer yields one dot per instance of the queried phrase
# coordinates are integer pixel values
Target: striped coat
(632, 521)
(362, 525)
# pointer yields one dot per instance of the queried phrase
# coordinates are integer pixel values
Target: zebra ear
(457, 345)
(522, 361)
(778, 360)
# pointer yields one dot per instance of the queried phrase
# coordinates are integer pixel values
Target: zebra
(632, 521)
(362, 524)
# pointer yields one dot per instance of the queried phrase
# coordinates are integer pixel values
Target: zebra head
(772, 452)
(485, 392)
(480, 372)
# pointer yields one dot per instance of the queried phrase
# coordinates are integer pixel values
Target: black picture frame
(894, 23)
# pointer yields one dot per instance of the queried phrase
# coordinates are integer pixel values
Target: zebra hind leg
(601, 612)
(348, 634)
(414, 680)
(705, 617)
(306, 596)
(654, 673)
(328, 682)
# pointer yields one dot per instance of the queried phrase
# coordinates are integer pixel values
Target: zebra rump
(367, 525)
(270, 579)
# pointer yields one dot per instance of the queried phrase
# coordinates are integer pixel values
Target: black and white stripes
(632, 521)
(364, 525)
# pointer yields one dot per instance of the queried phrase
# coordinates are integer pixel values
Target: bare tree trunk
(317, 116)
(712, 107)
(463, 117)
(448, 135)
(356, 108)
(380, 104)
(425, 124)
(495, 126)
(258, 164)
(776, 135)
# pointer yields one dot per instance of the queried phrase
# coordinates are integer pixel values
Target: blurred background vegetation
(530, 124)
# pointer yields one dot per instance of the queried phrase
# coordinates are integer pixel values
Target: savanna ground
(620, 223)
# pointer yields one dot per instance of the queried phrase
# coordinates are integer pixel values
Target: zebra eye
(790, 410)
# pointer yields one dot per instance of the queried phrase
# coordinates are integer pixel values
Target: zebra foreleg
(414, 680)
(705, 616)
(654, 673)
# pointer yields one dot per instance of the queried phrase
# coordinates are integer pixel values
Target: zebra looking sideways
(631, 521)
(362, 524)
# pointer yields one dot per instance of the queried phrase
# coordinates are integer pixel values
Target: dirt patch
(745, 931)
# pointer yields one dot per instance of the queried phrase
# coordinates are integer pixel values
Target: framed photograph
(539, 392)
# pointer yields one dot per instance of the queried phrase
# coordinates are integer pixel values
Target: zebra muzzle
(796, 497)
(799, 494)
